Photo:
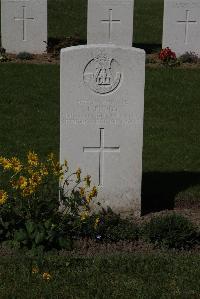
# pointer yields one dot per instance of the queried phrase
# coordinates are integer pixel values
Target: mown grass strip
(118, 276)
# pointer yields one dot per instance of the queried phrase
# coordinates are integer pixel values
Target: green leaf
(30, 226)
(47, 224)
(40, 237)
(20, 235)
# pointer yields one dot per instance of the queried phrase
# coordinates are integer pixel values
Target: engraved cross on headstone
(110, 22)
(24, 22)
(187, 22)
(101, 149)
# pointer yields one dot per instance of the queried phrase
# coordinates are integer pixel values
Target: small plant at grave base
(189, 57)
(54, 46)
(3, 57)
(168, 57)
(24, 56)
(29, 202)
(110, 227)
(171, 231)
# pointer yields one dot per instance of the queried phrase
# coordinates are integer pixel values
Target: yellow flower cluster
(87, 180)
(92, 193)
(28, 177)
(5, 163)
(55, 165)
(97, 221)
(45, 275)
(78, 174)
(29, 185)
(16, 164)
(21, 183)
(33, 159)
(88, 197)
(35, 270)
(3, 197)
(82, 191)
(84, 215)
(11, 164)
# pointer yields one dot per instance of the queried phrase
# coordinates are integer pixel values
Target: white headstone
(24, 26)
(101, 124)
(181, 27)
(110, 21)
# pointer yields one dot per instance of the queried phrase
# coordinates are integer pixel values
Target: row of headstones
(24, 24)
(102, 101)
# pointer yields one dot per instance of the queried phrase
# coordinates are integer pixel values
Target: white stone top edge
(111, 46)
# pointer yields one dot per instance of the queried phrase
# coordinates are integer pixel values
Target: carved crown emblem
(102, 74)
(102, 61)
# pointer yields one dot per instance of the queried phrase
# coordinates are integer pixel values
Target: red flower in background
(167, 54)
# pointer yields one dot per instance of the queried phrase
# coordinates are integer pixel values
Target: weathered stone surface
(24, 26)
(101, 120)
(181, 26)
(110, 21)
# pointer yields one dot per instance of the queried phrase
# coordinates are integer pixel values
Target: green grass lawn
(134, 276)
(29, 119)
(29, 114)
(69, 18)
(29, 105)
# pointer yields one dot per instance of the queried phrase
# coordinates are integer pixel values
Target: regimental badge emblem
(102, 74)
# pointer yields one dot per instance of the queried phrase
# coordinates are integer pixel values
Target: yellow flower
(87, 180)
(35, 270)
(22, 182)
(82, 191)
(78, 174)
(89, 198)
(46, 276)
(32, 159)
(61, 175)
(44, 170)
(93, 193)
(14, 184)
(3, 197)
(16, 165)
(28, 191)
(57, 169)
(6, 163)
(35, 179)
(96, 222)
(50, 157)
(84, 215)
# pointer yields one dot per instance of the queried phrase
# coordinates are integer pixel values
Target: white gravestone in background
(110, 21)
(24, 26)
(101, 120)
(181, 26)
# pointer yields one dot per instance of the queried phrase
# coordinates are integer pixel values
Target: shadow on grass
(160, 189)
(75, 41)
(56, 44)
(149, 48)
